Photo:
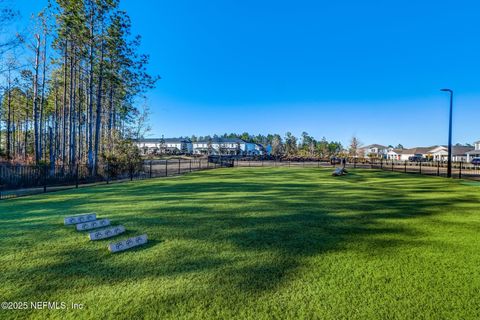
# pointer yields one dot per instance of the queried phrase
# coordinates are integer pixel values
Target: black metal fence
(20, 180)
(462, 170)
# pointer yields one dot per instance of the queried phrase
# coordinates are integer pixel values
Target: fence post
(76, 177)
(108, 173)
(166, 167)
(381, 163)
(318, 163)
(438, 168)
(354, 162)
(420, 166)
(392, 164)
(405, 166)
(460, 172)
(179, 164)
(44, 178)
(150, 173)
(190, 165)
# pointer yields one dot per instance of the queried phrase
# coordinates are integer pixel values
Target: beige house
(424, 152)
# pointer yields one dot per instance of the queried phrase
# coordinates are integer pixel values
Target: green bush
(124, 158)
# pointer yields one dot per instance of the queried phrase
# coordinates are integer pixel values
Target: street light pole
(449, 161)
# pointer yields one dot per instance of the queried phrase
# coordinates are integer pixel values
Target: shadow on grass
(274, 219)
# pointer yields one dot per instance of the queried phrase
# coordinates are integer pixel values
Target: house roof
(166, 140)
(418, 150)
(147, 140)
(222, 140)
(176, 140)
(397, 151)
(441, 147)
(374, 146)
(458, 151)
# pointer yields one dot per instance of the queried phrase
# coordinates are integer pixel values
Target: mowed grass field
(252, 243)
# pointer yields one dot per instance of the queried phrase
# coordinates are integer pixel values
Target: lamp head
(446, 90)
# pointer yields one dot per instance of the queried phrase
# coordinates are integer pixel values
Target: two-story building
(374, 151)
(226, 146)
(178, 146)
(165, 146)
(148, 145)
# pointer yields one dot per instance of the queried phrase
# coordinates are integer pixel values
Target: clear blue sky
(331, 68)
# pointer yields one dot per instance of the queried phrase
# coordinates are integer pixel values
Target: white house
(439, 153)
(226, 146)
(219, 146)
(435, 153)
(165, 146)
(394, 154)
(147, 146)
(459, 153)
(176, 146)
(374, 151)
(469, 155)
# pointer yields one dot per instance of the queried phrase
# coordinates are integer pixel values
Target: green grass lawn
(257, 243)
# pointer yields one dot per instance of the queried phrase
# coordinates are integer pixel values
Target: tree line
(71, 84)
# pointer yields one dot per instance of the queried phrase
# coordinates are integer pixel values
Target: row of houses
(217, 146)
(235, 146)
(435, 153)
